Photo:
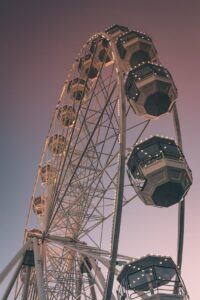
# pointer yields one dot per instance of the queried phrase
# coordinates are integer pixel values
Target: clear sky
(39, 40)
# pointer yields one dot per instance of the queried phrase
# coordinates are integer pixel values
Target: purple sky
(39, 41)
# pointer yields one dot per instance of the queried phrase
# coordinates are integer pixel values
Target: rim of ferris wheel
(84, 181)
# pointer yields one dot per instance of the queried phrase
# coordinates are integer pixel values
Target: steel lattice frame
(84, 202)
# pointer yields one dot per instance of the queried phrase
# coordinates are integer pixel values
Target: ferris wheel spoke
(98, 154)
(70, 284)
(18, 289)
(110, 113)
(88, 189)
(48, 225)
(103, 197)
(91, 228)
(57, 271)
(61, 179)
(110, 153)
(81, 248)
(106, 93)
(94, 209)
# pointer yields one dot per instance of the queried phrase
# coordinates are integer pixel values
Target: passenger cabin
(67, 115)
(100, 48)
(88, 67)
(151, 90)
(159, 172)
(39, 206)
(78, 89)
(116, 30)
(151, 277)
(135, 48)
(57, 144)
(48, 174)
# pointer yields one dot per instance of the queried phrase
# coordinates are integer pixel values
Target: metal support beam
(93, 278)
(92, 289)
(12, 281)
(181, 208)
(13, 262)
(120, 180)
(100, 276)
(83, 248)
(26, 283)
(38, 268)
(79, 284)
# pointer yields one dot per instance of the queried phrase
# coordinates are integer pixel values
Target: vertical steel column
(13, 262)
(100, 276)
(121, 170)
(38, 269)
(12, 281)
(79, 284)
(26, 283)
(181, 207)
(92, 289)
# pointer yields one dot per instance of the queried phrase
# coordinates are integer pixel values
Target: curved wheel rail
(181, 208)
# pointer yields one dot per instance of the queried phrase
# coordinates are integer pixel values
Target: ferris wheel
(95, 161)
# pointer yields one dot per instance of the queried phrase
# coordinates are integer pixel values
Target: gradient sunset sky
(39, 40)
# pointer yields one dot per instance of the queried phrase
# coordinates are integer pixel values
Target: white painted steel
(38, 270)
